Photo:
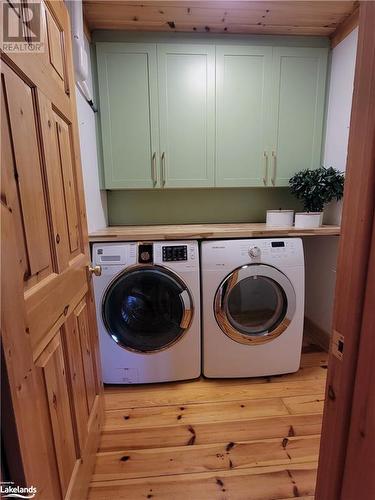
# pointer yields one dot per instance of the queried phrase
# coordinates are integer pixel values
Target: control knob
(254, 252)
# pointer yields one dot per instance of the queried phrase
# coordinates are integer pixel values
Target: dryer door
(255, 304)
(147, 309)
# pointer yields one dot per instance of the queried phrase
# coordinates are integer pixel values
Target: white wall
(96, 200)
(321, 253)
(338, 114)
(340, 101)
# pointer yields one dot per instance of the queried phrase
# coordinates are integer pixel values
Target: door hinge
(338, 342)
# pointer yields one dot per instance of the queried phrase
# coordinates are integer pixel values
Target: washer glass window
(254, 304)
(147, 309)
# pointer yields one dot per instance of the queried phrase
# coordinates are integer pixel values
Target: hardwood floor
(236, 439)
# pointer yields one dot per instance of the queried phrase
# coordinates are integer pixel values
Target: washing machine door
(147, 309)
(254, 304)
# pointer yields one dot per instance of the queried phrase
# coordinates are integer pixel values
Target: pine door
(129, 114)
(299, 79)
(243, 100)
(186, 80)
(49, 333)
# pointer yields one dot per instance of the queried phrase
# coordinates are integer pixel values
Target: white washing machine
(148, 311)
(253, 306)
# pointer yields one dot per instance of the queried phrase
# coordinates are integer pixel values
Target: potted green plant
(315, 188)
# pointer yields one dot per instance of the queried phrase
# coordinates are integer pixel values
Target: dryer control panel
(277, 252)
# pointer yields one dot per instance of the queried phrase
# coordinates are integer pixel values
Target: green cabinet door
(299, 79)
(243, 100)
(127, 77)
(186, 79)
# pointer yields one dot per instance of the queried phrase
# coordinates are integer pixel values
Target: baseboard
(319, 336)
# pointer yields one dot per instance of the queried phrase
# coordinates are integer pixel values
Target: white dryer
(148, 310)
(253, 306)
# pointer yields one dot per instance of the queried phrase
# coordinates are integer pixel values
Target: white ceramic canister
(279, 218)
(308, 220)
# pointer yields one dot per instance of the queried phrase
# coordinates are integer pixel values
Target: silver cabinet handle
(273, 179)
(163, 168)
(265, 155)
(153, 170)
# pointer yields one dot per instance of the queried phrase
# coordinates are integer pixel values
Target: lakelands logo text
(22, 27)
(9, 490)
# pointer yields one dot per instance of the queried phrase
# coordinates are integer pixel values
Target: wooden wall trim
(352, 269)
(345, 28)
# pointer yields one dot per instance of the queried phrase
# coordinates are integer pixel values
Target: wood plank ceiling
(317, 17)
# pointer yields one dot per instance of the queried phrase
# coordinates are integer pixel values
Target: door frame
(350, 324)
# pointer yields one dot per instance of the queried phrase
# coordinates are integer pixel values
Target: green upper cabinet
(243, 98)
(127, 77)
(299, 78)
(202, 115)
(186, 80)
(269, 113)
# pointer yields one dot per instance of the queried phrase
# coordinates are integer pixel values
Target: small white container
(279, 218)
(308, 220)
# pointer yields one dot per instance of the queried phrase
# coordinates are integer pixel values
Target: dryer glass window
(256, 305)
(147, 309)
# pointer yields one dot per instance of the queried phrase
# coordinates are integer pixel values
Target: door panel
(186, 77)
(299, 88)
(62, 183)
(53, 303)
(52, 364)
(54, 38)
(54, 181)
(46, 250)
(21, 113)
(9, 189)
(66, 156)
(81, 315)
(243, 99)
(77, 379)
(82, 372)
(37, 65)
(54, 45)
(129, 114)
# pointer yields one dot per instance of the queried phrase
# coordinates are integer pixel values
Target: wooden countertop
(205, 231)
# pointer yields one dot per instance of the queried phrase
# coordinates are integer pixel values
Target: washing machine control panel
(175, 253)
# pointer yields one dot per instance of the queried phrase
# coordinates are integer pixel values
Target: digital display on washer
(277, 244)
(175, 253)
